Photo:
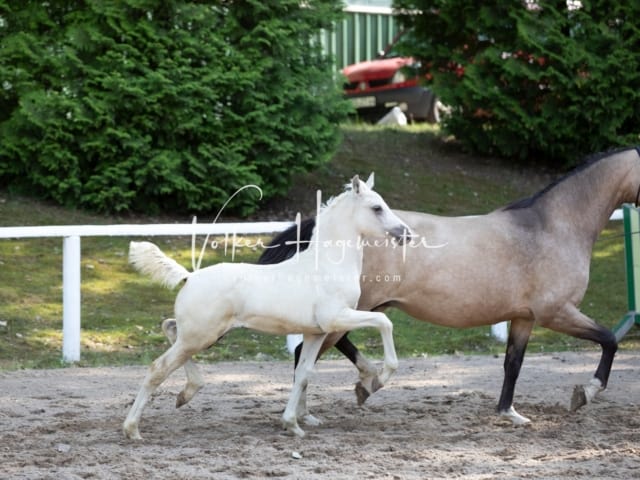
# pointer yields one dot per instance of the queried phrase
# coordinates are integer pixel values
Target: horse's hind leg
(577, 324)
(516, 346)
(194, 380)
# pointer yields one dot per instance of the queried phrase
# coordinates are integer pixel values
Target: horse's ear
(370, 180)
(355, 183)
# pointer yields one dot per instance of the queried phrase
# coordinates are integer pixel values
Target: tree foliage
(532, 79)
(158, 105)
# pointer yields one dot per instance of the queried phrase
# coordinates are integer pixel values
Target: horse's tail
(148, 259)
(286, 243)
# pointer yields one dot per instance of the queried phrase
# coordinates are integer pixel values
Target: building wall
(368, 27)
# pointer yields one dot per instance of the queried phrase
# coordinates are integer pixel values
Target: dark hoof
(180, 401)
(361, 393)
(579, 398)
(376, 385)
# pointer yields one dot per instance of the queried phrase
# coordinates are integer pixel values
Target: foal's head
(371, 214)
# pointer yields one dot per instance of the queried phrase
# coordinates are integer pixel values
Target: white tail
(148, 259)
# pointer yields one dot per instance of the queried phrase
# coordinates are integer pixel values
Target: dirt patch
(435, 419)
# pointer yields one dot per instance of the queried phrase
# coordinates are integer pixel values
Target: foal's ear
(370, 180)
(355, 183)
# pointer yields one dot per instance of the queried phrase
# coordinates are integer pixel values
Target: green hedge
(155, 105)
(544, 81)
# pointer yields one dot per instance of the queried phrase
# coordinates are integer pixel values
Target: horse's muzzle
(402, 234)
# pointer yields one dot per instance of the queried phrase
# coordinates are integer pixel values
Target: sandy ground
(434, 419)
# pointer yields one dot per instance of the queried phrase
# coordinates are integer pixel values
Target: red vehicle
(376, 86)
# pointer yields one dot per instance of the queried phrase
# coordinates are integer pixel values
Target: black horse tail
(287, 243)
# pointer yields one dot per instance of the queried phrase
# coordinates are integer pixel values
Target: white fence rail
(71, 255)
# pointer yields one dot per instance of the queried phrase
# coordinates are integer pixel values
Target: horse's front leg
(516, 346)
(575, 323)
(297, 404)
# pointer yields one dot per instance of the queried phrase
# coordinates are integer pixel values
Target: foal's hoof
(293, 428)
(131, 432)
(310, 420)
(579, 398)
(181, 400)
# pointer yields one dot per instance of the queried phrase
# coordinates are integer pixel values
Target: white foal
(314, 293)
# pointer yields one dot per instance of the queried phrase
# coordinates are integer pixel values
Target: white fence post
(71, 299)
(500, 331)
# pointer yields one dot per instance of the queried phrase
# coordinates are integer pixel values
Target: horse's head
(373, 215)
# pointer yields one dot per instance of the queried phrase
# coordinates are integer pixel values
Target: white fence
(71, 258)
(71, 255)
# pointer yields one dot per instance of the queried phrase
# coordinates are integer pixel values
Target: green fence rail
(631, 218)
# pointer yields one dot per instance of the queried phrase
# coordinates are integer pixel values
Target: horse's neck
(336, 243)
(588, 198)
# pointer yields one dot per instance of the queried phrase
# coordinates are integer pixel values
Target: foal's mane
(588, 161)
(333, 201)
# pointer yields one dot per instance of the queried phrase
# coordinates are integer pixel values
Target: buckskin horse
(527, 262)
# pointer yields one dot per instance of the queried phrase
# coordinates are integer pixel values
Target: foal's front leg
(367, 371)
(350, 319)
(297, 399)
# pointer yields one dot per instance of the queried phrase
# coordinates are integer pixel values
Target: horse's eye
(377, 209)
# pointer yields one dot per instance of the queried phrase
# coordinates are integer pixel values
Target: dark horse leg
(572, 322)
(369, 382)
(344, 345)
(516, 346)
(577, 324)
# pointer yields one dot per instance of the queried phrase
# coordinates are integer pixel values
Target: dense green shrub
(531, 78)
(164, 104)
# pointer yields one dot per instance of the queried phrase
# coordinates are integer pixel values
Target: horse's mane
(286, 243)
(586, 163)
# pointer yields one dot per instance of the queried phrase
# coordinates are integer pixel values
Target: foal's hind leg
(194, 380)
(159, 370)
(577, 324)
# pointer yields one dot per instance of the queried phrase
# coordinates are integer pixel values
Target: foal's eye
(377, 209)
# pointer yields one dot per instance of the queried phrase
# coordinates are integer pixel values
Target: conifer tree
(157, 105)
